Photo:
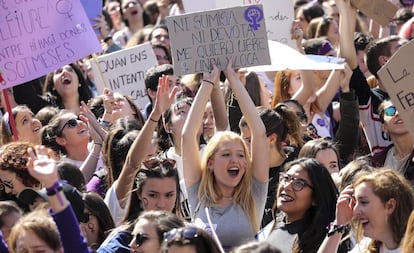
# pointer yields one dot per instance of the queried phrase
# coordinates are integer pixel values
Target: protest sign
(397, 75)
(37, 37)
(278, 15)
(381, 11)
(93, 9)
(284, 57)
(199, 38)
(123, 71)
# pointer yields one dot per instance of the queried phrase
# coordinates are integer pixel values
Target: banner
(123, 71)
(199, 38)
(37, 37)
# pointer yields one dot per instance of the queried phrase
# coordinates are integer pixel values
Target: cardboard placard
(123, 71)
(381, 11)
(201, 37)
(37, 37)
(397, 75)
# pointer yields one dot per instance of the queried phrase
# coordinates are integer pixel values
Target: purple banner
(39, 36)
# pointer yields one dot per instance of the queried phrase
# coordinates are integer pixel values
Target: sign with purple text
(37, 37)
(123, 71)
(199, 38)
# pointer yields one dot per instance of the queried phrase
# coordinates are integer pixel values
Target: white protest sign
(284, 57)
(397, 75)
(123, 71)
(37, 37)
(201, 37)
(279, 16)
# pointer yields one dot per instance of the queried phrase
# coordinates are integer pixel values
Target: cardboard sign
(37, 37)
(92, 8)
(284, 57)
(397, 75)
(199, 38)
(381, 11)
(278, 15)
(124, 71)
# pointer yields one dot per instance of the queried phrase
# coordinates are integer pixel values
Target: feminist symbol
(64, 7)
(253, 15)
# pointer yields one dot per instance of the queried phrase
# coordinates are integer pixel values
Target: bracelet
(153, 120)
(335, 228)
(98, 143)
(55, 188)
(104, 122)
(208, 81)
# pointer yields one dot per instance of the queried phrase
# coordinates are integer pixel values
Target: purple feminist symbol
(253, 15)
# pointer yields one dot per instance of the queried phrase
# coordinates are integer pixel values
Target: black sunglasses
(297, 183)
(177, 234)
(141, 238)
(7, 184)
(70, 123)
(166, 163)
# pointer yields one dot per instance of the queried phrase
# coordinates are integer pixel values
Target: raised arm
(347, 22)
(138, 150)
(219, 108)
(327, 92)
(259, 145)
(189, 138)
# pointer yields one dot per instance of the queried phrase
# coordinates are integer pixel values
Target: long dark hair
(322, 212)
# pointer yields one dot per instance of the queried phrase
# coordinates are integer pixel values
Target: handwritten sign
(124, 71)
(201, 37)
(284, 57)
(397, 75)
(381, 11)
(278, 15)
(39, 36)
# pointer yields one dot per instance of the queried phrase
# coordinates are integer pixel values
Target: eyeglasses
(70, 123)
(390, 111)
(177, 234)
(297, 183)
(141, 238)
(166, 163)
(7, 183)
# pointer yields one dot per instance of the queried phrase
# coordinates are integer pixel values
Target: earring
(79, 85)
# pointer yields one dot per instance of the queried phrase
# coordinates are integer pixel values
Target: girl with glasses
(398, 155)
(305, 205)
(226, 183)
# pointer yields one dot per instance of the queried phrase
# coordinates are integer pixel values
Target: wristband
(104, 122)
(153, 120)
(55, 188)
(208, 81)
(335, 228)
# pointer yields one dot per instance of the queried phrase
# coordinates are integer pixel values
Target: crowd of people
(223, 161)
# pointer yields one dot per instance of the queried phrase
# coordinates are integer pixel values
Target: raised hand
(164, 97)
(41, 167)
(345, 205)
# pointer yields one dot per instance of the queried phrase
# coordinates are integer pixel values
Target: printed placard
(123, 71)
(397, 75)
(37, 37)
(199, 38)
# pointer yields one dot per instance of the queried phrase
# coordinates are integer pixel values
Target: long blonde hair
(209, 193)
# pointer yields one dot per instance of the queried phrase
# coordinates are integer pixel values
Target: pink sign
(39, 36)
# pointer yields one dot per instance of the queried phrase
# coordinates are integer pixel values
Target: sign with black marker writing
(397, 75)
(123, 71)
(199, 38)
(39, 36)
(381, 11)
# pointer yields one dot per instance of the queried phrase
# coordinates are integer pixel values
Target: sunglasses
(297, 183)
(7, 184)
(177, 234)
(155, 162)
(390, 111)
(70, 123)
(141, 238)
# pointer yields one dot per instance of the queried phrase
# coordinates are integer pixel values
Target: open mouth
(36, 129)
(285, 198)
(134, 12)
(66, 81)
(233, 172)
